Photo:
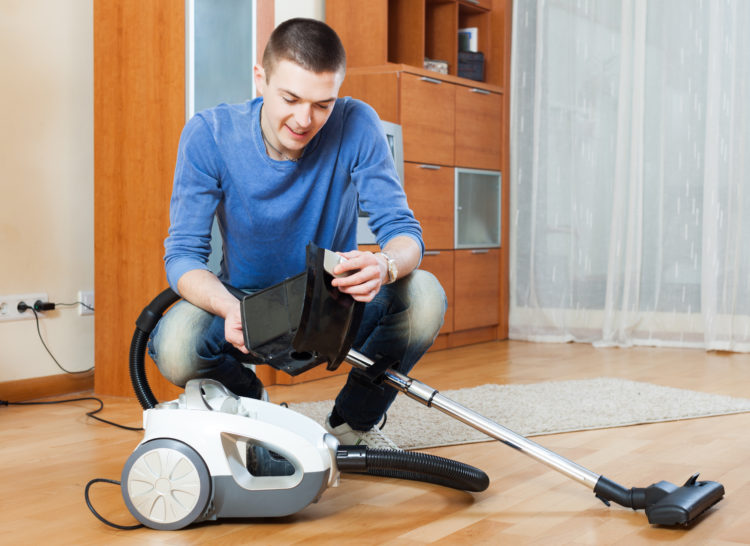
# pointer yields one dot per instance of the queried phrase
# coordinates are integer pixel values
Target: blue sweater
(269, 210)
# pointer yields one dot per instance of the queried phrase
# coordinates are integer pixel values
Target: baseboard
(465, 337)
(22, 390)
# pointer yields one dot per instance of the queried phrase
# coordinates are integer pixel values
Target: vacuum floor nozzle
(684, 504)
(664, 503)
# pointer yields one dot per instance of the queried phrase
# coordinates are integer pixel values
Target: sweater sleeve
(374, 175)
(196, 193)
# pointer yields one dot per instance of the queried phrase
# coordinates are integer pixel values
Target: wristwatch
(392, 268)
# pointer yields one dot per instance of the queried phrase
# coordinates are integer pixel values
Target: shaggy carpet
(543, 408)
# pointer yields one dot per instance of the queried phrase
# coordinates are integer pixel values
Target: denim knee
(173, 342)
(427, 304)
(403, 320)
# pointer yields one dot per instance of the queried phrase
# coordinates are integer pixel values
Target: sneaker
(372, 438)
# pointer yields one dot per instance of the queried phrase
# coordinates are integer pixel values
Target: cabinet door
(379, 90)
(427, 119)
(429, 190)
(440, 264)
(478, 128)
(476, 289)
(478, 194)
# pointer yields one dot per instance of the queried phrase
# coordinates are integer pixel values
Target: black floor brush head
(685, 504)
(665, 503)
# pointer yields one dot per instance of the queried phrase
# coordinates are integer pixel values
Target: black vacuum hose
(411, 465)
(405, 465)
(144, 325)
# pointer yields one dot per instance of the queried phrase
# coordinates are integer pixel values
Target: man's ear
(259, 75)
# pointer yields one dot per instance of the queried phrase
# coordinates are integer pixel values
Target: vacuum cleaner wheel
(166, 484)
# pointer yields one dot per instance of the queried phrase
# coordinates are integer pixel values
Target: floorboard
(49, 453)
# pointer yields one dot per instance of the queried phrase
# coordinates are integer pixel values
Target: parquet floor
(49, 453)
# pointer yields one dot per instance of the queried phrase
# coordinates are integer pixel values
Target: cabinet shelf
(378, 32)
(454, 137)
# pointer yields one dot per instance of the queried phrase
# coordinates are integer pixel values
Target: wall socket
(86, 297)
(9, 305)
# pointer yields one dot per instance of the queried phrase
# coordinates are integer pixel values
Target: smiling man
(279, 171)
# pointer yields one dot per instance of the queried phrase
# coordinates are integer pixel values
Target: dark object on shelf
(471, 65)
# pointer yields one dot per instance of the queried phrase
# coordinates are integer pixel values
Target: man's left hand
(368, 273)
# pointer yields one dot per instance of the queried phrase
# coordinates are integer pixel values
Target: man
(280, 171)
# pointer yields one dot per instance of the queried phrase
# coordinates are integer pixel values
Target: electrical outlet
(9, 305)
(86, 297)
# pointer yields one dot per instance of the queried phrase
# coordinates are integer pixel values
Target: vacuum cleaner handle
(209, 394)
(664, 503)
(430, 397)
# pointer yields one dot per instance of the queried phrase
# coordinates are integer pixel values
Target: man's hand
(233, 329)
(203, 289)
(368, 273)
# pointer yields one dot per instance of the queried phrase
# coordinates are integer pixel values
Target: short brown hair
(310, 43)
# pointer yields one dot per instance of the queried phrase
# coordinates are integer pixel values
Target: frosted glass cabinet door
(477, 220)
(219, 66)
(220, 38)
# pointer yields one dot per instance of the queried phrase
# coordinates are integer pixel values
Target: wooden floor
(49, 453)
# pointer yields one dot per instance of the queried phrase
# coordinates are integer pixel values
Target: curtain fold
(630, 130)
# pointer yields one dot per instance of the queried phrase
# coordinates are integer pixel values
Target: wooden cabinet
(440, 264)
(475, 288)
(444, 120)
(377, 32)
(449, 124)
(478, 141)
(430, 192)
(427, 124)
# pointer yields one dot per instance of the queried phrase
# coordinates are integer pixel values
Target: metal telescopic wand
(432, 398)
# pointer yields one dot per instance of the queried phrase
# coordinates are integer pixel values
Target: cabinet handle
(475, 2)
(430, 80)
(430, 167)
(480, 251)
(432, 253)
(480, 91)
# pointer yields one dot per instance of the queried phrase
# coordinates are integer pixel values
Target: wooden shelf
(377, 32)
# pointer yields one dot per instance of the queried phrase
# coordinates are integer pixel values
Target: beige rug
(543, 408)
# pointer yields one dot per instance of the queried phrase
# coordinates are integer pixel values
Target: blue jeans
(400, 323)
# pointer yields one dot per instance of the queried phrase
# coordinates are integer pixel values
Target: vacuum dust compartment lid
(302, 321)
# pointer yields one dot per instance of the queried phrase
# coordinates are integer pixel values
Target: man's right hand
(233, 329)
(203, 289)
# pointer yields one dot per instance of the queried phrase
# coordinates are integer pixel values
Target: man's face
(297, 103)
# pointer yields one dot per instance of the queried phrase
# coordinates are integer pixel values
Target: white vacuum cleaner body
(191, 464)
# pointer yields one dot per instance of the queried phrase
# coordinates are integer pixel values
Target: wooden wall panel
(139, 111)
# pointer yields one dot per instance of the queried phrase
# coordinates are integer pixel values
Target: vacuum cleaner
(190, 467)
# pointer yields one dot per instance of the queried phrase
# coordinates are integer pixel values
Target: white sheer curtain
(630, 172)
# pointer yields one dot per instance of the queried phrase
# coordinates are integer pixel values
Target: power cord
(40, 306)
(99, 516)
(91, 414)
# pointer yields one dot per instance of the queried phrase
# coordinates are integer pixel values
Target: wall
(287, 9)
(46, 191)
